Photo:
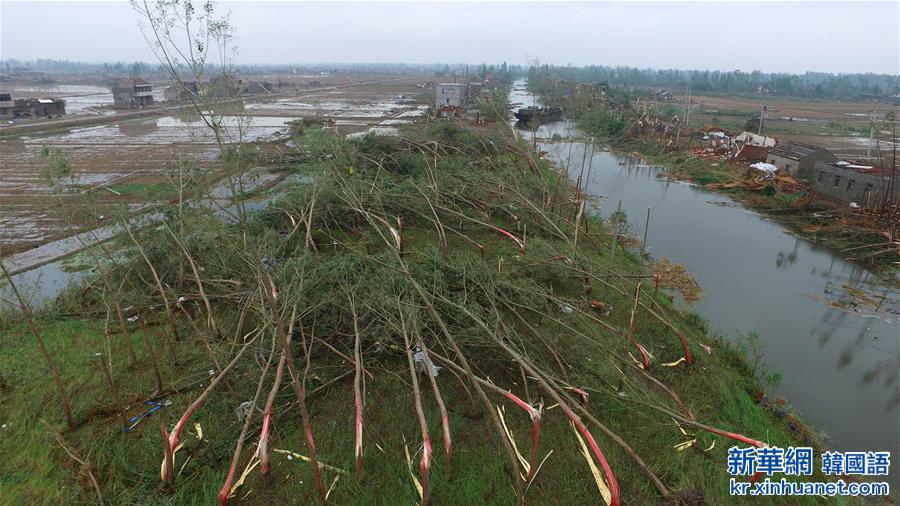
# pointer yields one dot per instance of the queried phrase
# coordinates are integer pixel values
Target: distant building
(663, 95)
(182, 92)
(6, 105)
(591, 90)
(450, 94)
(224, 87)
(798, 158)
(131, 93)
(38, 107)
(749, 138)
(564, 87)
(257, 87)
(861, 184)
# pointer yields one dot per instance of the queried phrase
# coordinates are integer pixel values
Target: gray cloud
(769, 36)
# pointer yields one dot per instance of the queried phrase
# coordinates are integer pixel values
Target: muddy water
(80, 98)
(839, 367)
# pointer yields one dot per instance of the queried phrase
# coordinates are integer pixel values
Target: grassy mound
(447, 247)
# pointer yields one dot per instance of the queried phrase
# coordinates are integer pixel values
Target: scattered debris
(155, 406)
(676, 277)
(422, 363)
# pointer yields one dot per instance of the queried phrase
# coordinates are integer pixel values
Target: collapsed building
(749, 138)
(258, 87)
(31, 107)
(6, 105)
(132, 93)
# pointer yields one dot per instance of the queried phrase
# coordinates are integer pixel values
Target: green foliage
(602, 122)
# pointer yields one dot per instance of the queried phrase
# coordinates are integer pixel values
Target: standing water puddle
(839, 367)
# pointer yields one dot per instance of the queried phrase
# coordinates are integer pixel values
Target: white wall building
(452, 94)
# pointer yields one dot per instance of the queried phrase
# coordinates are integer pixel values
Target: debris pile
(676, 277)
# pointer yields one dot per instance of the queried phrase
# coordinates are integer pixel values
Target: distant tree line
(9, 65)
(810, 84)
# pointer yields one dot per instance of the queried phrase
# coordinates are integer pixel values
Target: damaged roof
(862, 169)
(131, 81)
(793, 150)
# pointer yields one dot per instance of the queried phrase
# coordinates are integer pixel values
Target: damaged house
(450, 95)
(132, 93)
(6, 105)
(38, 107)
(257, 87)
(863, 185)
(224, 87)
(749, 138)
(182, 92)
(797, 158)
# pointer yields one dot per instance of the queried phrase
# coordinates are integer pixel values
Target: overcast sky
(769, 36)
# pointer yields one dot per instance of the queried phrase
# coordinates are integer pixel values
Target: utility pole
(871, 137)
(687, 120)
(762, 113)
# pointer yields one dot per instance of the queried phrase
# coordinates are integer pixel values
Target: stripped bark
(358, 395)
(445, 419)
(236, 457)
(263, 448)
(425, 463)
(171, 440)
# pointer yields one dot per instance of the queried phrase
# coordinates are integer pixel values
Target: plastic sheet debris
(566, 309)
(600, 306)
(269, 263)
(155, 406)
(765, 167)
(422, 364)
(243, 410)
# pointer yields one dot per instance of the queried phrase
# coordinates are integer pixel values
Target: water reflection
(782, 259)
(138, 128)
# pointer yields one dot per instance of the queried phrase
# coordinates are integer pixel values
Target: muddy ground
(843, 127)
(130, 155)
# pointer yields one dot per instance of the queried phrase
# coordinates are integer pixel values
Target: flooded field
(80, 99)
(137, 153)
(831, 336)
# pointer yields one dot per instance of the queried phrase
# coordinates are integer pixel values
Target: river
(838, 367)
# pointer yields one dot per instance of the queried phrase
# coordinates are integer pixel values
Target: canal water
(839, 367)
